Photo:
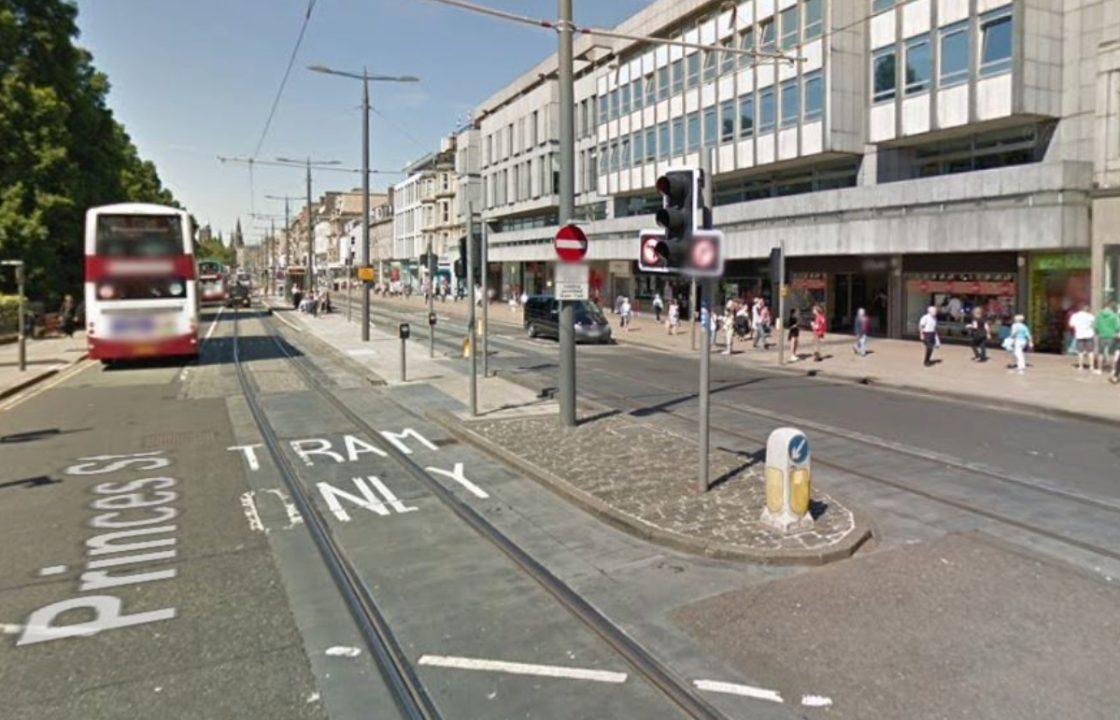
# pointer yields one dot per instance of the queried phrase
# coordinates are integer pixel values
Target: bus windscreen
(139, 235)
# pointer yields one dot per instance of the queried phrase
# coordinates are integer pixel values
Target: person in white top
(627, 312)
(927, 328)
(1081, 322)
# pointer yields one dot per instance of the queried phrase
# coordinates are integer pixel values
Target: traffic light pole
(781, 290)
(567, 361)
(705, 352)
(470, 312)
(365, 210)
(310, 238)
(692, 312)
(431, 301)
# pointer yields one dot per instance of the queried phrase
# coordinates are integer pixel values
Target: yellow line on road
(35, 390)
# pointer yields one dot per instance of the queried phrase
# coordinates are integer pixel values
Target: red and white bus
(213, 282)
(140, 292)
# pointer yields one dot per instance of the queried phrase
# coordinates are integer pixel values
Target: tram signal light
(683, 244)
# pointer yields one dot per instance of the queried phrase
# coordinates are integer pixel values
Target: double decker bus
(140, 290)
(213, 282)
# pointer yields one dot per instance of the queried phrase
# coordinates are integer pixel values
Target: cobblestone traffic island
(642, 478)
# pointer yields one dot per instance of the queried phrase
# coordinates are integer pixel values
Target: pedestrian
(729, 326)
(658, 306)
(742, 321)
(674, 316)
(1018, 342)
(524, 298)
(1082, 323)
(1108, 336)
(927, 330)
(819, 327)
(618, 304)
(67, 315)
(627, 313)
(794, 335)
(861, 325)
(756, 323)
(762, 330)
(979, 333)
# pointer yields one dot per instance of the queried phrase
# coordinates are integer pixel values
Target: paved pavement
(45, 357)
(1051, 383)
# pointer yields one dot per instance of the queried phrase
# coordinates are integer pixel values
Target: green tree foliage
(61, 150)
(215, 248)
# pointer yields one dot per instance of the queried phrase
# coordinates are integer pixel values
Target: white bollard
(788, 480)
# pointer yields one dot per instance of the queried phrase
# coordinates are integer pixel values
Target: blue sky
(193, 80)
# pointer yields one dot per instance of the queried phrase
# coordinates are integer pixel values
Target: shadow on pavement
(33, 435)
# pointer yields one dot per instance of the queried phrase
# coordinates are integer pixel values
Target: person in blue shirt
(1019, 340)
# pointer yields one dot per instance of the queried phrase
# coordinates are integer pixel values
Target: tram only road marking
(516, 668)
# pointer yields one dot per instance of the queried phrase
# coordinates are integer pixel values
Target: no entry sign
(570, 243)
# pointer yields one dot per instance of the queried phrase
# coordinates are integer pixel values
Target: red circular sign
(570, 243)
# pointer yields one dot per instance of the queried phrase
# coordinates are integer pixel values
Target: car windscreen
(139, 235)
(588, 312)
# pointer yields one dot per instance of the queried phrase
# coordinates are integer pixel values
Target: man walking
(927, 328)
(658, 306)
(1107, 326)
(1082, 323)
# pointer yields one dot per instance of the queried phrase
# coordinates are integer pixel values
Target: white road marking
(736, 689)
(458, 476)
(343, 651)
(251, 514)
(52, 570)
(361, 352)
(289, 323)
(516, 668)
(294, 518)
(816, 701)
(213, 324)
(9, 629)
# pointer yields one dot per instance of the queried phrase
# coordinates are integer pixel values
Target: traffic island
(641, 478)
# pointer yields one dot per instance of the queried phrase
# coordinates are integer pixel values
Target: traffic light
(461, 263)
(684, 242)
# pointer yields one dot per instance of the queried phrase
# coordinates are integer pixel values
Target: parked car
(238, 296)
(542, 319)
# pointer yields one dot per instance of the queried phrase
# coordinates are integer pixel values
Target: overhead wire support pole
(706, 350)
(470, 312)
(485, 252)
(566, 389)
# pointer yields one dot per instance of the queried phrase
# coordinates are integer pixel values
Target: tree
(61, 150)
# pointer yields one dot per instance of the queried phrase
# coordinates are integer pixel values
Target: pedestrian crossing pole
(485, 253)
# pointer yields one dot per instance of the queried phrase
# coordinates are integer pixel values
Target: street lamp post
(308, 162)
(365, 77)
(18, 265)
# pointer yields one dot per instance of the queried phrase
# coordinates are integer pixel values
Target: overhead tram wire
(301, 164)
(284, 80)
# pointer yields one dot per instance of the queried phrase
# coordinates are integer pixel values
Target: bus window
(139, 235)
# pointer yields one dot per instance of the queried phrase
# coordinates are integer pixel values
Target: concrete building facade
(426, 214)
(956, 153)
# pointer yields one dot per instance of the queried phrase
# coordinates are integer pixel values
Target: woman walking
(979, 332)
(627, 312)
(674, 316)
(794, 335)
(819, 326)
(1018, 342)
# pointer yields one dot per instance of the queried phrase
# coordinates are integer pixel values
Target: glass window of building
(710, 65)
(663, 146)
(954, 54)
(624, 103)
(678, 136)
(766, 38)
(995, 41)
(639, 151)
(885, 74)
(711, 127)
(614, 156)
(637, 93)
(663, 82)
(592, 169)
(603, 117)
(693, 131)
(624, 156)
(693, 63)
(919, 64)
(766, 110)
(814, 96)
(651, 91)
(651, 144)
(678, 76)
(727, 121)
(746, 42)
(791, 26)
(746, 115)
(791, 103)
(814, 19)
(881, 5)
(614, 103)
(727, 59)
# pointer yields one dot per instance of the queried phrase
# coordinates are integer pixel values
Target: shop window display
(955, 295)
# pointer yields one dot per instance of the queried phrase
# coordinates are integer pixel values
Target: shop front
(537, 277)
(1059, 285)
(841, 286)
(956, 284)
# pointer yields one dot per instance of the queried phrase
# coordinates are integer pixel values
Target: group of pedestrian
(1017, 342)
(313, 303)
(749, 321)
(1096, 340)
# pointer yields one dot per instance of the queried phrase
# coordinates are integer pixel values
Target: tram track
(400, 674)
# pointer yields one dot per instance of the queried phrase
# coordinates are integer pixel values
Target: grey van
(542, 319)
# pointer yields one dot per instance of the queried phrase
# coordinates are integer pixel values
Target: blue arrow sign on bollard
(798, 449)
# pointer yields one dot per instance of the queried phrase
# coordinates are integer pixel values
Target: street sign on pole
(572, 281)
(570, 243)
